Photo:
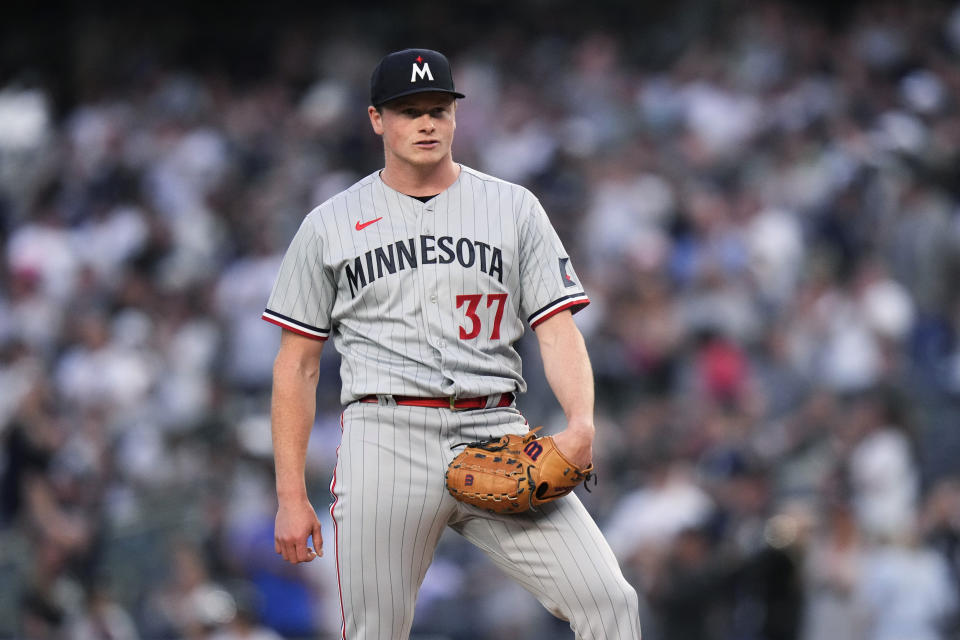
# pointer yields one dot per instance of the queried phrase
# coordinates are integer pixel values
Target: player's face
(418, 129)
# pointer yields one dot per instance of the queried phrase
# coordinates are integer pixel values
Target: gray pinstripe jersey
(425, 299)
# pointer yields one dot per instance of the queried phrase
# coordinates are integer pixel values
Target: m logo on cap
(421, 72)
(429, 71)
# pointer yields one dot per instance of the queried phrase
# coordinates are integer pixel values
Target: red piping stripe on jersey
(336, 537)
(580, 303)
(290, 327)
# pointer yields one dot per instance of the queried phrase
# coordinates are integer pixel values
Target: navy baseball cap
(410, 71)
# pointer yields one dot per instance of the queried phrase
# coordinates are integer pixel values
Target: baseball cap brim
(455, 94)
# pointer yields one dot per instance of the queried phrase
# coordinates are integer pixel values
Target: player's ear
(376, 120)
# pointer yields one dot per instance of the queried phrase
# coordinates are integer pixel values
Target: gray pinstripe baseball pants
(391, 506)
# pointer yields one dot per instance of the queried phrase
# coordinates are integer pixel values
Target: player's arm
(295, 375)
(568, 371)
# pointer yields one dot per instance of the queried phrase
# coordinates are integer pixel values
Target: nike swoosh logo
(363, 225)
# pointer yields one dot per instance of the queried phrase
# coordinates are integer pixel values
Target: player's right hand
(296, 522)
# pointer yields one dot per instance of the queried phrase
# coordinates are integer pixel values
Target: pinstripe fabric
(400, 327)
(391, 507)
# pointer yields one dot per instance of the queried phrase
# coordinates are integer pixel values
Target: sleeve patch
(565, 277)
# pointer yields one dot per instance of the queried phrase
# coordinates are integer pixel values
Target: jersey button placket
(442, 342)
(438, 329)
(428, 217)
(428, 283)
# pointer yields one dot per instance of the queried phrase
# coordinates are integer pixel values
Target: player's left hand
(576, 444)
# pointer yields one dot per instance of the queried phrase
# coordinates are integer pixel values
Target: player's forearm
(292, 412)
(567, 368)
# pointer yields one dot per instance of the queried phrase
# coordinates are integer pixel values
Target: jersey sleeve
(304, 291)
(548, 281)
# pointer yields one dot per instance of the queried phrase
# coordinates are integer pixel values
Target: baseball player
(425, 273)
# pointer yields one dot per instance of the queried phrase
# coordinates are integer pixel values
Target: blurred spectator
(244, 627)
(906, 592)
(189, 604)
(250, 347)
(691, 588)
(833, 568)
(103, 618)
(940, 525)
(651, 516)
(883, 477)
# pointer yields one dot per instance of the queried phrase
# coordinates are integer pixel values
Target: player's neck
(416, 180)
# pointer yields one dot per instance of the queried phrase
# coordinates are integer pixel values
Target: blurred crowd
(767, 223)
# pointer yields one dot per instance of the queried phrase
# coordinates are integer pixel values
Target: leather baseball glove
(513, 474)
